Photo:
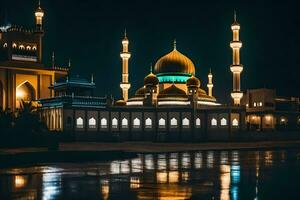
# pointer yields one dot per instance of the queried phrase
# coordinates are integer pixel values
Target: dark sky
(90, 33)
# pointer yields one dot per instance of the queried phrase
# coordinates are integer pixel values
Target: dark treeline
(22, 127)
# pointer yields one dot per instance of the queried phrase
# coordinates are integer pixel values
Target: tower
(39, 14)
(125, 55)
(236, 68)
(210, 84)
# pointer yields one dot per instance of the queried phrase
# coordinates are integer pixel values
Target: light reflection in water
(198, 160)
(225, 175)
(51, 185)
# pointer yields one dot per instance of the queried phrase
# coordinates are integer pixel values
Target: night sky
(90, 32)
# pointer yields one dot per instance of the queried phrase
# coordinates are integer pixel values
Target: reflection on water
(221, 175)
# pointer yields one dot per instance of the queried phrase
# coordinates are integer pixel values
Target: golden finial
(210, 70)
(174, 44)
(150, 68)
(69, 64)
(125, 33)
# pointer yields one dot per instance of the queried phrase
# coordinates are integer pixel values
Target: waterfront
(228, 174)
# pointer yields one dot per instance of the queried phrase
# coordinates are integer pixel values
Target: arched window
(148, 123)
(21, 47)
(185, 123)
(223, 122)
(124, 123)
(136, 123)
(34, 48)
(162, 123)
(283, 121)
(235, 122)
(198, 123)
(5, 45)
(28, 48)
(114, 123)
(14, 45)
(173, 123)
(213, 122)
(103, 123)
(92, 123)
(79, 122)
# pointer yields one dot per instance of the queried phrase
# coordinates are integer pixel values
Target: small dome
(174, 62)
(120, 103)
(140, 92)
(193, 82)
(172, 91)
(150, 79)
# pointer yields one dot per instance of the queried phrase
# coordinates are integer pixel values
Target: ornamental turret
(236, 67)
(210, 84)
(125, 56)
(39, 14)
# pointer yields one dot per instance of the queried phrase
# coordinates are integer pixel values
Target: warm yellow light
(20, 94)
(20, 181)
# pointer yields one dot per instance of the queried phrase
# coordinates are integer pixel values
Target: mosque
(171, 105)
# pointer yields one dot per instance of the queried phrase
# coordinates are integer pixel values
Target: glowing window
(28, 48)
(79, 122)
(235, 122)
(283, 121)
(260, 104)
(114, 123)
(5, 45)
(213, 122)
(185, 123)
(124, 123)
(148, 123)
(198, 123)
(92, 123)
(173, 123)
(34, 48)
(254, 104)
(103, 123)
(21, 47)
(223, 122)
(14, 45)
(136, 123)
(162, 123)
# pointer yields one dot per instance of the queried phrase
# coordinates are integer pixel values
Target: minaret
(125, 55)
(39, 14)
(236, 68)
(210, 84)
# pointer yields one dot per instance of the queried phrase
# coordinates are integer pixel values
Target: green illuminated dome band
(173, 77)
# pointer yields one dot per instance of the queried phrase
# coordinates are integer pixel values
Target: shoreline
(150, 147)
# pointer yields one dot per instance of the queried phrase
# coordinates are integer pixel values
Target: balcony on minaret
(125, 55)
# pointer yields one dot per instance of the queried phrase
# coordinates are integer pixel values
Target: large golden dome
(174, 62)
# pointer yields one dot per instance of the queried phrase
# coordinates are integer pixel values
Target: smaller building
(267, 111)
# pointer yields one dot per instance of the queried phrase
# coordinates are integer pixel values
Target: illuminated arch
(1, 96)
(124, 123)
(79, 122)
(34, 48)
(114, 123)
(186, 123)
(213, 122)
(223, 122)
(92, 122)
(28, 48)
(5, 45)
(148, 123)
(103, 123)
(14, 45)
(235, 122)
(162, 123)
(22, 47)
(174, 123)
(136, 123)
(26, 92)
(198, 123)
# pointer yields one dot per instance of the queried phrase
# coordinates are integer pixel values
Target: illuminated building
(171, 105)
(22, 73)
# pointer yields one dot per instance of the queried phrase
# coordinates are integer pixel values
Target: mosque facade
(171, 105)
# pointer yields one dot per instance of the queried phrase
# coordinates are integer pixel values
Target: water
(225, 175)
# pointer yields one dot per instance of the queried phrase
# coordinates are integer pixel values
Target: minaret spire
(174, 44)
(125, 56)
(236, 67)
(69, 64)
(151, 68)
(53, 60)
(210, 83)
(234, 16)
